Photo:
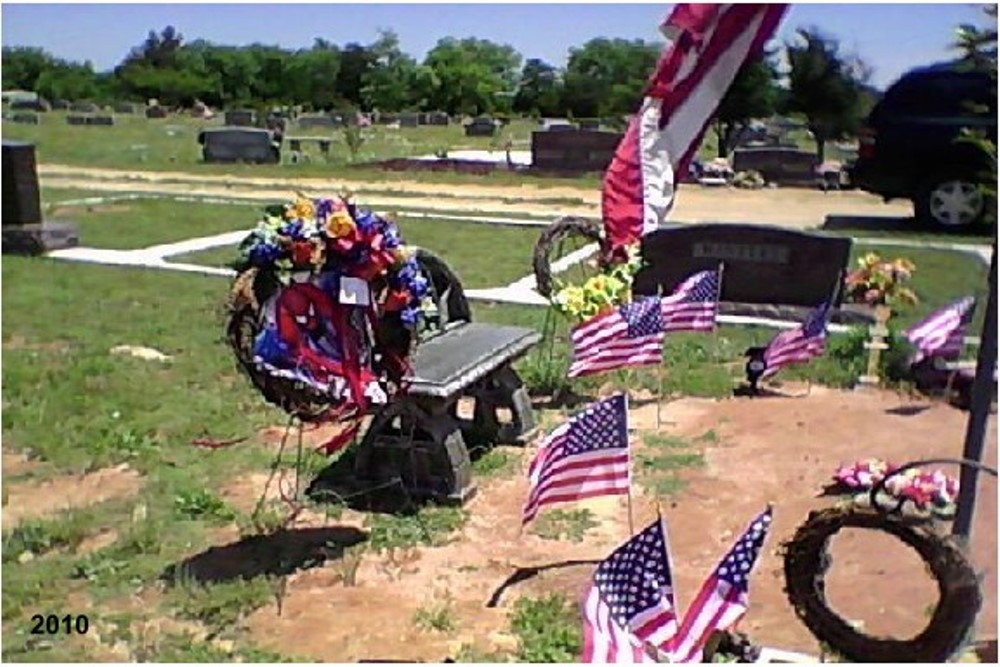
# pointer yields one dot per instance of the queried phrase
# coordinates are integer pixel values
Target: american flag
(800, 344)
(631, 601)
(709, 44)
(943, 333)
(631, 335)
(694, 305)
(587, 456)
(724, 597)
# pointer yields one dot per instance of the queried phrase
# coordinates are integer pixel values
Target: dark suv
(908, 147)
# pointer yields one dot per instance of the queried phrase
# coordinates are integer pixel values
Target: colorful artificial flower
(923, 489)
(340, 224)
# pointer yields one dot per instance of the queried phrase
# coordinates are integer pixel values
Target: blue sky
(891, 37)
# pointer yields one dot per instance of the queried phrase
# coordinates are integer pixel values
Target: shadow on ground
(278, 554)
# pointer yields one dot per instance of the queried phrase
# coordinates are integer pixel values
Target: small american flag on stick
(800, 344)
(631, 335)
(724, 597)
(631, 601)
(694, 305)
(588, 456)
(943, 333)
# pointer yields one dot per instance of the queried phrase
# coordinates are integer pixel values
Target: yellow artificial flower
(302, 208)
(400, 254)
(340, 224)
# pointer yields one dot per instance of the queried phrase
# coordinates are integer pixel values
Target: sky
(892, 38)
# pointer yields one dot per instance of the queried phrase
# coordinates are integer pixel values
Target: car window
(940, 96)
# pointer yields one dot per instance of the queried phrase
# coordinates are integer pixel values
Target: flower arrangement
(934, 490)
(610, 288)
(333, 235)
(880, 282)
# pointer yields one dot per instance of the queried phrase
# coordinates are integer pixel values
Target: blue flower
(391, 235)
(366, 221)
(418, 286)
(292, 229)
(264, 254)
(324, 207)
(410, 316)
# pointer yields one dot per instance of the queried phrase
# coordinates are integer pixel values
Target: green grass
(436, 617)
(548, 629)
(432, 526)
(569, 525)
(663, 459)
(494, 463)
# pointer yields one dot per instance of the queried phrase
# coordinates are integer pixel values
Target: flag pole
(666, 552)
(659, 369)
(628, 493)
(718, 303)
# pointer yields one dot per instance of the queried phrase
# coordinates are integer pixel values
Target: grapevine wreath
(325, 307)
(807, 560)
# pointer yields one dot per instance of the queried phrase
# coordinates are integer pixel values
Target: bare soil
(780, 449)
(787, 207)
(32, 499)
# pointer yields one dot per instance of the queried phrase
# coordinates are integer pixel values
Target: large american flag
(631, 601)
(587, 456)
(943, 333)
(694, 305)
(800, 344)
(631, 335)
(709, 44)
(724, 597)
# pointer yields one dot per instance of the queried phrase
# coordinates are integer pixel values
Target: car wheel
(951, 202)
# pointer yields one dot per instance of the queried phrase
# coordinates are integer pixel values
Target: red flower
(302, 252)
(397, 300)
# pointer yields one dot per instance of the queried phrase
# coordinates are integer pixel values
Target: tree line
(602, 78)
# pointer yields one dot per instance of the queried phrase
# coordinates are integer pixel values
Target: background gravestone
(24, 232)
(100, 120)
(60, 105)
(26, 118)
(85, 107)
(308, 122)
(481, 127)
(241, 117)
(573, 150)
(768, 271)
(408, 120)
(434, 118)
(238, 144)
(126, 107)
(785, 166)
(156, 111)
(74, 119)
(592, 124)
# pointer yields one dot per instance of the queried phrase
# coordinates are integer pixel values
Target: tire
(950, 201)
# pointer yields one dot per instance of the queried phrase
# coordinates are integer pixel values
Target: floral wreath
(340, 277)
(600, 293)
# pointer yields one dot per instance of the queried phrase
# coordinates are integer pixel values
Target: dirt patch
(26, 500)
(16, 463)
(787, 207)
(776, 449)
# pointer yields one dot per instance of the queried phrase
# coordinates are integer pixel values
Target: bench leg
(503, 389)
(422, 446)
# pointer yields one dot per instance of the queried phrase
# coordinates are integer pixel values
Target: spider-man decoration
(312, 336)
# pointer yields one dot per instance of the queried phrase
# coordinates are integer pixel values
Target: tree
(22, 65)
(607, 77)
(473, 75)
(161, 68)
(386, 86)
(753, 94)
(355, 62)
(68, 81)
(310, 76)
(825, 87)
(539, 90)
(979, 50)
